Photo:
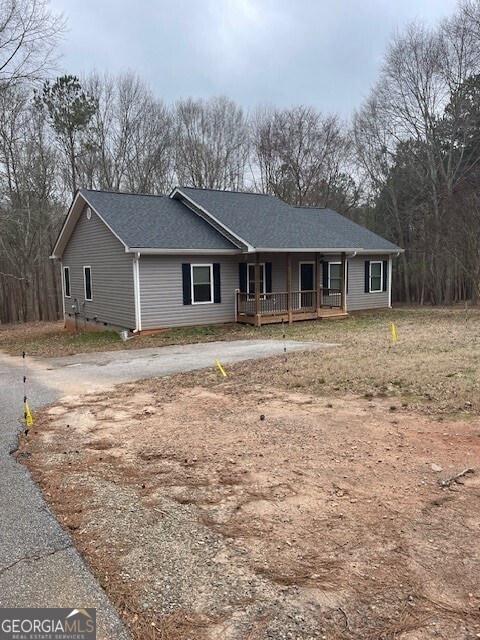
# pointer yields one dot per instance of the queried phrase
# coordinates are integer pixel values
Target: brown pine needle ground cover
(324, 519)
(52, 339)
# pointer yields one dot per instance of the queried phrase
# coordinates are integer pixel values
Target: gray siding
(161, 292)
(357, 298)
(93, 244)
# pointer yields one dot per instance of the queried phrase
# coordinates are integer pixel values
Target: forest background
(406, 164)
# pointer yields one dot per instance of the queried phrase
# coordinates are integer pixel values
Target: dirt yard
(244, 509)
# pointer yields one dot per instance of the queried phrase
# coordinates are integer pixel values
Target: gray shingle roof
(156, 222)
(264, 221)
(350, 231)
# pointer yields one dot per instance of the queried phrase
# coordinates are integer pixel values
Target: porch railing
(272, 304)
(331, 298)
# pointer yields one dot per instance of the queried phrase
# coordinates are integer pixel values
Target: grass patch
(51, 339)
(434, 363)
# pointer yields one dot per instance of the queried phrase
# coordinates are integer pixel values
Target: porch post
(289, 288)
(343, 300)
(258, 317)
(318, 282)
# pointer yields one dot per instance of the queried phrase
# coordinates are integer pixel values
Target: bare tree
(376, 140)
(211, 143)
(29, 211)
(302, 157)
(29, 34)
(416, 141)
(130, 137)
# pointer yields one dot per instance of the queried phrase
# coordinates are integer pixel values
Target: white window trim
(64, 269)
(264, 288)
(339, 277)
(380, 262)
(210, 266)
(85, 283)
(300, 274)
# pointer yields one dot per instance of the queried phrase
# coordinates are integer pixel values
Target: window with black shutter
(201, 283)
(66, 281)
(376, 277)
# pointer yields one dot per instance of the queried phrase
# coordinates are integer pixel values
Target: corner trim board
(63, 290)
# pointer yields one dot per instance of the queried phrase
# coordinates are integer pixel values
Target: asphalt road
(39, 567)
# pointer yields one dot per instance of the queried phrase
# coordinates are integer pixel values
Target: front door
(307, 284)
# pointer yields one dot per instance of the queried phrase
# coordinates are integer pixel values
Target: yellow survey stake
(222, 370)
(393, 329)
(28, 416)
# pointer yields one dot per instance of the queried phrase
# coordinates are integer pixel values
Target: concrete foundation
(78, 322)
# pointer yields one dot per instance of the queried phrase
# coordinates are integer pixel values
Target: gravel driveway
(38, 564)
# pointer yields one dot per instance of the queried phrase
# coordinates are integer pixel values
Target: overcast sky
(281, 52)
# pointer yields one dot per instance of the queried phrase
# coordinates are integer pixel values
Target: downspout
(390, 281)
(136, 293)
(235, 317)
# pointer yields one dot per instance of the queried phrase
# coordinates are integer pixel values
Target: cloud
(254, 51)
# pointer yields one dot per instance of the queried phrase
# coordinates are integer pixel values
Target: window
(202, 283)
(334, 275)
(87, 280)
(251, 279)
(66, 281)
(376, 277)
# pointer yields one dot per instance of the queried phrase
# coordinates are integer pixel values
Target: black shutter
(346, 268)
(325, 275)
(367, 276)
(217, 296)
(268, 277)
(187, 283)
(242, 277)
(385, 275)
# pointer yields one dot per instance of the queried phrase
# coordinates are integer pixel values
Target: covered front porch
(311, 299)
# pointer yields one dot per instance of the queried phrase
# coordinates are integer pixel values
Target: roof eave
(70, 222)
(326, 250)
(56, 254)
(305, 250)
(375, 252)
(187, 251)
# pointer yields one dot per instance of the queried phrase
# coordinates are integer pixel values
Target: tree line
(406, 164)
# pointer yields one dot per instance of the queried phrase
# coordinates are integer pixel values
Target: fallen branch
(454, 478)
(347, 628)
